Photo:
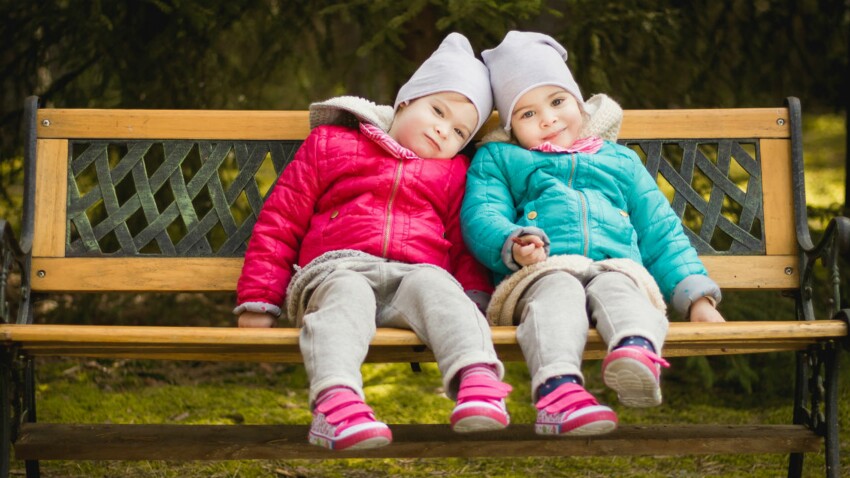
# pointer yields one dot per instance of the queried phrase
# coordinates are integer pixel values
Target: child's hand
(256, 319)
(528, 250)
(702, 310)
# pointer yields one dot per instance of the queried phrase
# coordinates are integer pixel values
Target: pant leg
(553, 329)
(620, 310)
(436, 308)
(339, 323)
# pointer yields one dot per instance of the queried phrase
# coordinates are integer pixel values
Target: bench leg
(5, 402)
(832, 447)
(795, 462)
(816, 405)
(17, 399)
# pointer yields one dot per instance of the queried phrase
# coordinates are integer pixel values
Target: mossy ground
(204, 393)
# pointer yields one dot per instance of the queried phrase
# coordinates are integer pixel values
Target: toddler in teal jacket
(578, 234)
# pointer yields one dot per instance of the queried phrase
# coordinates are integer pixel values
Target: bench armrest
(13, 259)
(832, 246)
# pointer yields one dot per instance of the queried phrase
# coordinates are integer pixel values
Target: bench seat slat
(49, 441)
(291, 354)
(389, 345)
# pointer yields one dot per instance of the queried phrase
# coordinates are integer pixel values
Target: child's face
(546, 114)
(435, 126)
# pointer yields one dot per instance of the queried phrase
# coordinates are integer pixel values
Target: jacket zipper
(584, 225)
(393, 192)
(572, 171)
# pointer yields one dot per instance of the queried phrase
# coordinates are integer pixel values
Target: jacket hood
(349, 111)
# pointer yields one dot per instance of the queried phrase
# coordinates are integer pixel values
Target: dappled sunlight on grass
(824, 157)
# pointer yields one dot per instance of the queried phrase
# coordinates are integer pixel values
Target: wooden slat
(280, 125)
(157, 274)
(51, 196)
(172, 124)
(47, 441)
(779, 231)
(140, 335)
(291, 354)
(706, 123)
(389, 345)
(753, 272)
(154, 274)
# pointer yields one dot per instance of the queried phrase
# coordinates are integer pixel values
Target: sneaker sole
(470, 418)
(364, 440)
(636, 386)
(600, 427)
(596, 423)
(374, 442)
(477, 423)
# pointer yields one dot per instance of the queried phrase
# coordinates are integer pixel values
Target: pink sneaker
(344, 421)
(635, 373)
(480, 405)
(571, 410)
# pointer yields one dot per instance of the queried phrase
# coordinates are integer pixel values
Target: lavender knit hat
(523, 61)
(452, 67)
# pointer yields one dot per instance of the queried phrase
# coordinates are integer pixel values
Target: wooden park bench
(164, 201)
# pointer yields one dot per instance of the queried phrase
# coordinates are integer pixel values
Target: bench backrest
(158, 200)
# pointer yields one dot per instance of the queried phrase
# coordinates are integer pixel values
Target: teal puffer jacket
(602, 205)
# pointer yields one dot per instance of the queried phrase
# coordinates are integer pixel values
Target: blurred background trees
(279, 54)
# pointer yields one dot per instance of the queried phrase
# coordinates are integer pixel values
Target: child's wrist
(711, 300)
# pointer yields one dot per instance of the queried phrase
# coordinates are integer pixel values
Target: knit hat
(453, 67)
(523, 61)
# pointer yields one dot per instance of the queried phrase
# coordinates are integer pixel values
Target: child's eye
(438, 111)
(557, 101)
(527, 114)
(459, 132)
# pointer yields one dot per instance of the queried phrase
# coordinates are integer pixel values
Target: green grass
(203, 393)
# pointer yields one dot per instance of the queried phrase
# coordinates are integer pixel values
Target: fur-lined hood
(506, 297)
(350, 111)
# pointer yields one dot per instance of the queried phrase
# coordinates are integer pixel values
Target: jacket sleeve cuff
(507, 247)
(692, 288)
(259, 307)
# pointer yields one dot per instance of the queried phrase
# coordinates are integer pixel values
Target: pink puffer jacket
(344, 191)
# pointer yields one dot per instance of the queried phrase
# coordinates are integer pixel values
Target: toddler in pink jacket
(362, 230)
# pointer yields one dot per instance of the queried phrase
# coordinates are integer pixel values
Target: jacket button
(624, 213)
(532, 215)
(334, 214)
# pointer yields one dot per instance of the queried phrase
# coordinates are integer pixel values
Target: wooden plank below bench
(48, 441)
(389, 345)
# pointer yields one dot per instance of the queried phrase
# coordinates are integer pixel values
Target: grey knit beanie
(452, 67)
(523, 61)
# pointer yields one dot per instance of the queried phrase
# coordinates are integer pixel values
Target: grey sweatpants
(553, 315)
(344, 310)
